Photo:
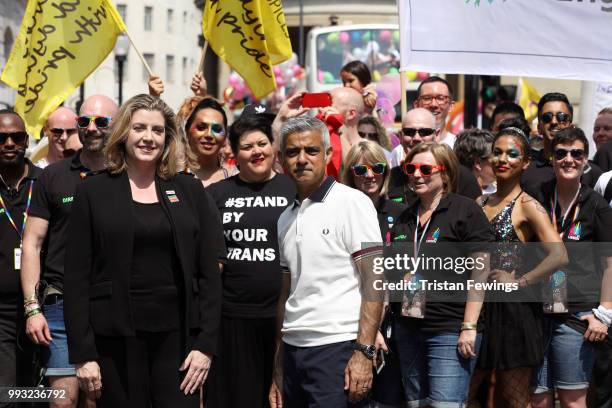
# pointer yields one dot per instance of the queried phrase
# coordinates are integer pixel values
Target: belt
(53, 299)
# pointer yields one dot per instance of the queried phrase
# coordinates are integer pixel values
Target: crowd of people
(172, 259)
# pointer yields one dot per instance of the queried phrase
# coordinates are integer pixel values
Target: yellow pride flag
(527, 97)
(249, 35)
(59, 44)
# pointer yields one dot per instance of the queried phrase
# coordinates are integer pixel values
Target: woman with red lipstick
(250, 204)
(206, 130)
(512, 340)
(580, 317)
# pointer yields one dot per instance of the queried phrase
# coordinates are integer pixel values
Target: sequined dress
(513, 330)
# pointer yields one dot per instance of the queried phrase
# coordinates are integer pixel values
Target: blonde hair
(114, 151)
(188, 159)
(443, 155)
(370, 152)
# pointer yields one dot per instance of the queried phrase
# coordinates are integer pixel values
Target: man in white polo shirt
(330, 313)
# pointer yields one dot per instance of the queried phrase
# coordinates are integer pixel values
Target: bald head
(11, 121)
(349, 103)
(420, 117)
(92, 137)
(99, 105)
(418, 125)
(61, 126)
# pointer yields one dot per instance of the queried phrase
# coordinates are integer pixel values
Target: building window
(170, 68)
(170, 21)
(8, 42)
(122, 10)
(150, 58)
(148, 18)
(185, 71)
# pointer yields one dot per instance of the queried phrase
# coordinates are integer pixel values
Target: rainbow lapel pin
(171, 194)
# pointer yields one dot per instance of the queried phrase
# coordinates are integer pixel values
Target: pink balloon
(296, 69)
(386, 111)
(320, 76)
(385, 35)
(277, 71)
(280, 82)
(422, 76)
(234, 79)
(344, 37)
(389, 88)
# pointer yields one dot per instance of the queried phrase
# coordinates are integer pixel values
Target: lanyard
(418, 241)
(25, 214)
(553, 212)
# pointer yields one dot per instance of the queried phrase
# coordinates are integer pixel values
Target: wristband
(33, 313)
(31, 306)
(468, 326)
(603, 315)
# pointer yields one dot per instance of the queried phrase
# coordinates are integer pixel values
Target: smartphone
(316, 100)
(380, 360)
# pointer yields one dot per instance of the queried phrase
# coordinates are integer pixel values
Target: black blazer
(98, 260)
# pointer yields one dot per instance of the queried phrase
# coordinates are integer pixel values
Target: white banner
(565, 39)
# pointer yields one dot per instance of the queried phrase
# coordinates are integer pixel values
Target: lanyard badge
(17, 251)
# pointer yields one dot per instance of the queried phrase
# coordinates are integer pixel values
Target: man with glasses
(419, 125)
(555, 113)
(435, 94)
(48, 223)
(61, 126)
(17, 178)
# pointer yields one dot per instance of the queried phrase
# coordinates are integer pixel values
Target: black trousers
(16, 352)
(601, 382)
(143, 371)
(241, 376)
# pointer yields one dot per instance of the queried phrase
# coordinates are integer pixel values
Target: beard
(15, 161)
(91, 141)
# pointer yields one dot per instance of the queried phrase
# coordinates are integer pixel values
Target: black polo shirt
(603, 157)
(457, 219)
(388, 212)
(52, 201)
(16, 202)
(467, 185)
(593, 223)
(540, 171)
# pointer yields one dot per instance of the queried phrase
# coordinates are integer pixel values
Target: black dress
(513, 330)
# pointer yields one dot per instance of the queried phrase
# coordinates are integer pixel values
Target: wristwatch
(368, 350)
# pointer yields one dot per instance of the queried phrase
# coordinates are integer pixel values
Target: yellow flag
(528, 98)
(59, 44)
(251, 36)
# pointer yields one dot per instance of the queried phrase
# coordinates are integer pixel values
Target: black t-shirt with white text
(249, 212)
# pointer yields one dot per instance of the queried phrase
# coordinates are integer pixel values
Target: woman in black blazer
(142, 283)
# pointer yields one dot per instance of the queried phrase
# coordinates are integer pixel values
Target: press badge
(17, 258)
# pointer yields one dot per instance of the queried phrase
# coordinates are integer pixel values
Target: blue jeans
(55, 357)
(568, 359)
(433, 371)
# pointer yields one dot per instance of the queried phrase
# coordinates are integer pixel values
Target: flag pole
(203, 57)
(142, 58)
(404, 100)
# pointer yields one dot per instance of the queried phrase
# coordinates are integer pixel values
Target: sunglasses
(370, 136)
(100, 121)
(57, 132)
(16, 137)
(216, 129)
(423, 131)
(576, 154)
(377, 169)
(562, 117)
(426, 170)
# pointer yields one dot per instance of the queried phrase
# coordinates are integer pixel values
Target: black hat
(258, 109)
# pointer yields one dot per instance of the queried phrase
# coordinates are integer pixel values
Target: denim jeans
(55, 356)
(568, 358)
(433, 371)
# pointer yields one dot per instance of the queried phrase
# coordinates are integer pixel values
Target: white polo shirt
(319, 241)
